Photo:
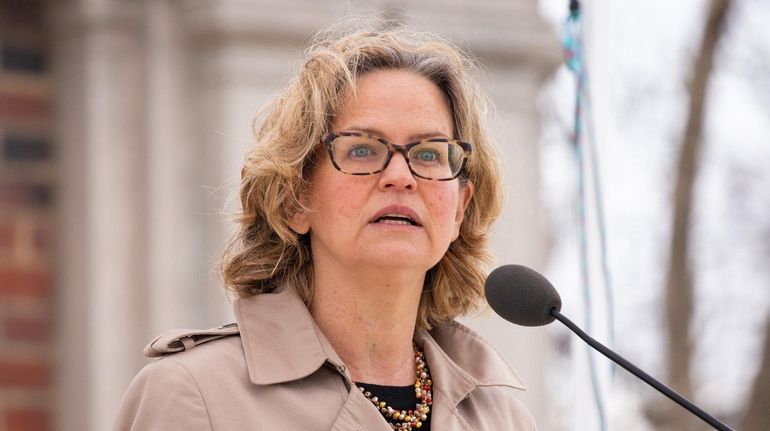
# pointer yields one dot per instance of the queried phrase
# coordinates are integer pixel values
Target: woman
(366, 204)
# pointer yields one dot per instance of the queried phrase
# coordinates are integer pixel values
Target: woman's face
(348, 223)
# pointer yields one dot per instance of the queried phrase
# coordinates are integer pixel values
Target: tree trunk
(757, 415)
(679, 281)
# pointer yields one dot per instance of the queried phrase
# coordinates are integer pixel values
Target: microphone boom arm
(633, 369)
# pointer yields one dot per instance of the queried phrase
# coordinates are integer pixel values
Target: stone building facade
(122, 142)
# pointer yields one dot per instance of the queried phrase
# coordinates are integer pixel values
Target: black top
(398, 397)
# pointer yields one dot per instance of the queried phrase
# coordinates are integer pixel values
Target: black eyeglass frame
(329, 138)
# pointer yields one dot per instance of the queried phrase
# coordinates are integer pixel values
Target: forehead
(394, 100)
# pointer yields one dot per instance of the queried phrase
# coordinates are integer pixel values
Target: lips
(397, 215)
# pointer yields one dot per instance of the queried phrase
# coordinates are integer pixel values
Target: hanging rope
(575, 61)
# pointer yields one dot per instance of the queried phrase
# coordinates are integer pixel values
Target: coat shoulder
(179, 340)
(163, 396)
(177, 391)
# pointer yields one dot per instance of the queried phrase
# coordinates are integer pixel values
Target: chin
(399, 257)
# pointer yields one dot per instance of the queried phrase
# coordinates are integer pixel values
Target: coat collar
(282, 343)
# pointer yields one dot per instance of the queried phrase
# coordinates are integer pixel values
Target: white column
(175, 237)
(99, 68)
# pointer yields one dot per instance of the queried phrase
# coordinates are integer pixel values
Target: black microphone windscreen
(521, 295)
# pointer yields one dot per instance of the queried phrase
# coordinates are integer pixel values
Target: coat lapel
(445, 416)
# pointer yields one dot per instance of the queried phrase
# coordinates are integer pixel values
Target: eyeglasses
(438, 159)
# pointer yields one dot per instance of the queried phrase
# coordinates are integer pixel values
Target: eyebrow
(412, 138)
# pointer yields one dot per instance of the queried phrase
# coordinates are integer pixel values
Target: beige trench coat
(276, 371)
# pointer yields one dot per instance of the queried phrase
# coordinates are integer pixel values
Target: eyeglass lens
(366, 155)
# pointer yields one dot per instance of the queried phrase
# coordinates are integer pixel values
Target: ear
(300, 222)
(466, 193)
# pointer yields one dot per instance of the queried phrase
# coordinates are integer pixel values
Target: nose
(397, 176)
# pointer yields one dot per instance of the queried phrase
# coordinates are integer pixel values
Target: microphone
(522, 296)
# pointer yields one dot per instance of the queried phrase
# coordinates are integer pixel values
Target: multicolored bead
(406, 420)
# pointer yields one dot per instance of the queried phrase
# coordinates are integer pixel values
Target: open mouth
(396, 219)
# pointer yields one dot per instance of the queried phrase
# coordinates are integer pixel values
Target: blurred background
(123, 124)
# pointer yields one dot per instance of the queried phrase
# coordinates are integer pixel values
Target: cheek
(336, 207)
(444, 208)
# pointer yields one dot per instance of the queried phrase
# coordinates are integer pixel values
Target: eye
(361, 151)
(427, 155)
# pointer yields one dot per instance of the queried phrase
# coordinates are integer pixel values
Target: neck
(369, 319)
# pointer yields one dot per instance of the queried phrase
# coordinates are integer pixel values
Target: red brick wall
(26, 208)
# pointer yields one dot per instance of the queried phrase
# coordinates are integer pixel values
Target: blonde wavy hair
(266, 254)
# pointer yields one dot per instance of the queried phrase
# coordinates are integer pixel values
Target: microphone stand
(633, 369)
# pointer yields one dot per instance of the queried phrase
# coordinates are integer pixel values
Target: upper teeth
(402, 219)
(404, 222)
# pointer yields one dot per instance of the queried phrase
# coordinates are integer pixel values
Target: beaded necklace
(406, 420)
